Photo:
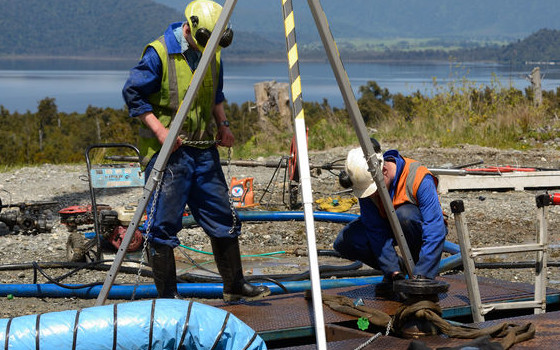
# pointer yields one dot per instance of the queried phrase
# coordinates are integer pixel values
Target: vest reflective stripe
(175, 80)
(411, 177)
(172, 77)
(413, 173)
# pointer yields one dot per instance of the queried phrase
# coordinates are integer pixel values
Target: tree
(373, 102)
(47, 113)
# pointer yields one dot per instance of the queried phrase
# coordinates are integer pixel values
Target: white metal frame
(468, 254)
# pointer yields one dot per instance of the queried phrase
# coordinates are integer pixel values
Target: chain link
(147, 225)
(231, 206)
(199, 143)
(369, 341)
(377, 335)
(389, 326)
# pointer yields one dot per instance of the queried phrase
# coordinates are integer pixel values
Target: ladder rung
(531, 247)
(514, 305)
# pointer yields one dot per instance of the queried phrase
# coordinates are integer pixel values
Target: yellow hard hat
(202, 16)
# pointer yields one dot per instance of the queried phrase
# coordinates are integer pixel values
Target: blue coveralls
(370, 238)
(193, 176)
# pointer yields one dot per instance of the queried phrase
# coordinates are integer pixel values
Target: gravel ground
(493, 218)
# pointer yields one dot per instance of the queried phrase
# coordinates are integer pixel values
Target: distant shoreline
(130, 61)
(236, 59)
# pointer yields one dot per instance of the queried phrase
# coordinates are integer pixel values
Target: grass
(456, 113)
(460, 112)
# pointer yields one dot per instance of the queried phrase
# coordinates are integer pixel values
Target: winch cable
(507, 334)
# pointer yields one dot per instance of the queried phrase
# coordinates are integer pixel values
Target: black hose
(95, 265)
(329, 252)
(99, 265)
(63, 265)
(272, 280)
(38, 268)
(326, 271)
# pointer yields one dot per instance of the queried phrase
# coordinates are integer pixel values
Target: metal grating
(291, 315)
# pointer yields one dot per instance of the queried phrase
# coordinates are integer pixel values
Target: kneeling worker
(370, 239)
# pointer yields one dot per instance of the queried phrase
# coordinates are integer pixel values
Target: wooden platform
(517, 181)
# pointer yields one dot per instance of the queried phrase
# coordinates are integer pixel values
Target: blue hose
(150, 324)
(256, 215)
(214, 290)
(188, 290)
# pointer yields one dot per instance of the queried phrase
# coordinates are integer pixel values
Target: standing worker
(193, 176)
(370, 239)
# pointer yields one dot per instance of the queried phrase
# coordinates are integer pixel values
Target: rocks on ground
(493, 218)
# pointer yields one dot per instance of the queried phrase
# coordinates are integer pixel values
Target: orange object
(502, 169)
(241, 192)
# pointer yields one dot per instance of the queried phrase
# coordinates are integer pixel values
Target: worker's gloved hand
(399, 276)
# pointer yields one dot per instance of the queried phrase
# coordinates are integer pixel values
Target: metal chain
(199, 143)
(389, 326)
(369, 341)
(148, 224)
(231, 206)
(377, 335)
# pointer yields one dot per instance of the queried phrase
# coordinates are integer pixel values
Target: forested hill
(542, 46)
(81, 27)
(100, 28)
(120, 28)
(381, 19)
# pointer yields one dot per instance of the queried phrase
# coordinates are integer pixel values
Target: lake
(77, 87)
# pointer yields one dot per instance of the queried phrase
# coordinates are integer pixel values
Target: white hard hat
(357, 169)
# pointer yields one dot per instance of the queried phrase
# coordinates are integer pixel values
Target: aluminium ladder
(468, 254)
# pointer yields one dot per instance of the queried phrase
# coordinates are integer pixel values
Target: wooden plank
(517, 181)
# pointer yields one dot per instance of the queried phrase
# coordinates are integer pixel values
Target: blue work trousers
(375, 246)
(192, 177)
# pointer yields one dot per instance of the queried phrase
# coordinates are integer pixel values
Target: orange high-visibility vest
(411, 176)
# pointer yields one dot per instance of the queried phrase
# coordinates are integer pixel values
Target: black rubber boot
(228, 259)
(162, 261)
